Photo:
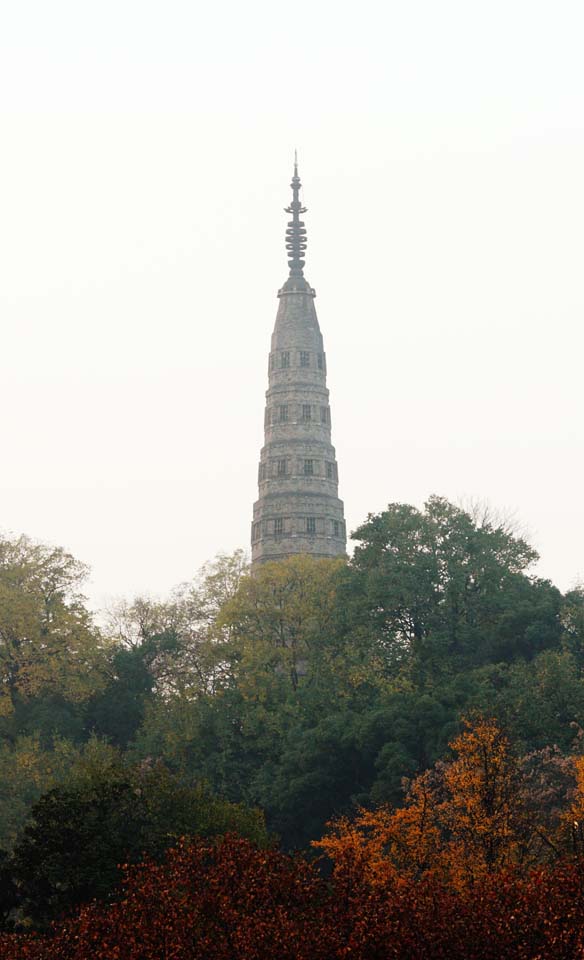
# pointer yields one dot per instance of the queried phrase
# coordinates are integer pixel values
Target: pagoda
(298, 510)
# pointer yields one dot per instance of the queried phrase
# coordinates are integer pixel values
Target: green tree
(442, 590)
(8, 892)
(117, 711)
(164, 649)
(105, 815)
(573, 623)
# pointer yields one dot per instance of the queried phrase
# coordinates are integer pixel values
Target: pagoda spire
(296, 231)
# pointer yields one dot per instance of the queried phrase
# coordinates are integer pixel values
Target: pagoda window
(285, 360)
(308, 468)
(311, 525)
(282, 468)
(325, 415)
(278, 526)
(330, 473)
(283, 413)
(336, 527)
(306, 412)
(304, 358)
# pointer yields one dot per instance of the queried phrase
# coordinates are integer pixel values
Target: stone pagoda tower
(298, 510)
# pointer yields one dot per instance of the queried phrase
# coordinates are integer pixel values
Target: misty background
(146, 154)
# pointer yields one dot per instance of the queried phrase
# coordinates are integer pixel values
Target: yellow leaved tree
(48, 642)
(280, 615)
(461, 820)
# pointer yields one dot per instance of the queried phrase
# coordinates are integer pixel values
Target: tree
(161, 650)
(47, 640)
(28, 768)
(117, 711)
(8, 892)
(442, 590)
(549, 793)
(381, 845)
(461, 821)
(223, 900)
(105, 815)
(482, 811)
(573, 623)
(227, 900)
(571, 832)
(406, 731)
(281, 617)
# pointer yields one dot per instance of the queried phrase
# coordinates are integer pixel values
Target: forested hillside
(308, 690)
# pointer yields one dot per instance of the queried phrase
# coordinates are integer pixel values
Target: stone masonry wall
(298, 509)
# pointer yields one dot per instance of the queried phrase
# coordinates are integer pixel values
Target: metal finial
(296, 231)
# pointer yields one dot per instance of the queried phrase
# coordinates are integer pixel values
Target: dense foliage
(230, 901)
(311, 690)
(476, 814)
(107, 814)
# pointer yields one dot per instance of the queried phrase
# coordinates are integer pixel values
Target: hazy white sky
(146, 154)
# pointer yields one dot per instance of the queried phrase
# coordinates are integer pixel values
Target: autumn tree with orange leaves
(460, 821)
(572, 821)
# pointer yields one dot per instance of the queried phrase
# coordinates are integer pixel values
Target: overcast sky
(145, 161)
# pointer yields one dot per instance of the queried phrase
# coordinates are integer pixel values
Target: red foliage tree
(222, 901)
(231, 901)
